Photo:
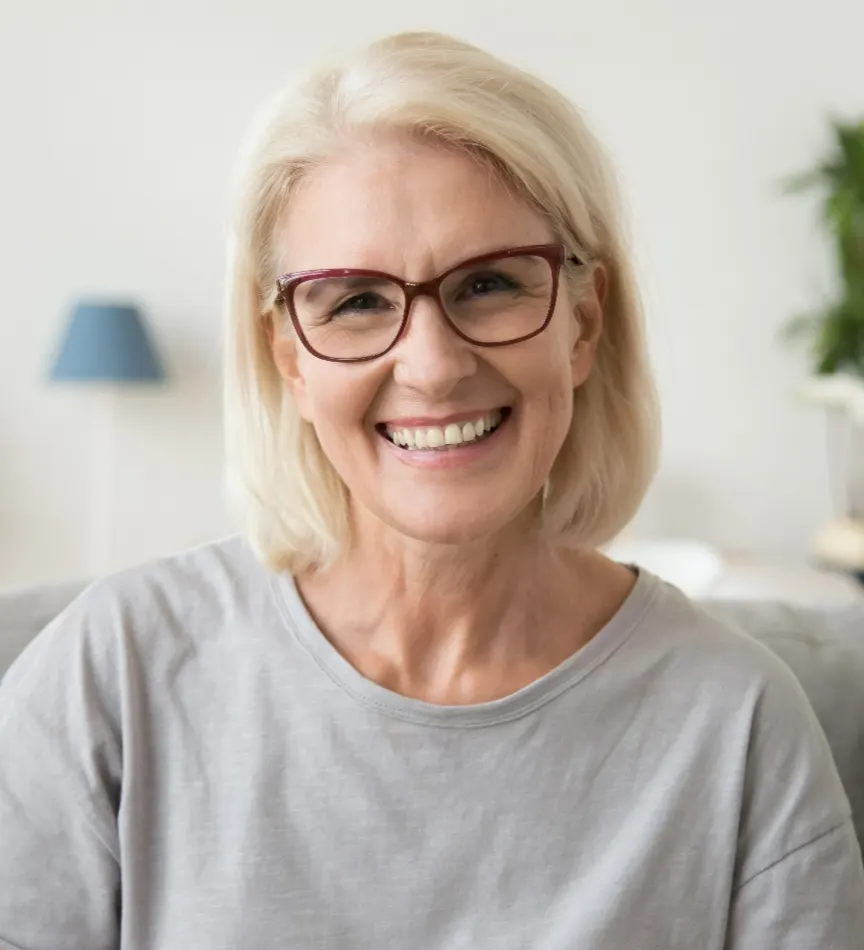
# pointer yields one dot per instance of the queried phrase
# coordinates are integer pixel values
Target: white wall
(118, 127)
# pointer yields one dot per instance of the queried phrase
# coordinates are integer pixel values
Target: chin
(454, 534)
(458, 527)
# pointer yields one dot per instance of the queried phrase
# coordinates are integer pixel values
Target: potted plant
(835, 335)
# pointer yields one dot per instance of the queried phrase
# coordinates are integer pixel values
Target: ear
(288, 361)
(589, 326)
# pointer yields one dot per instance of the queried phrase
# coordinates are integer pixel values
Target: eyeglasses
(347, 316)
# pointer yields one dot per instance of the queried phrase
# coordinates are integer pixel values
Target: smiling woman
(412, 705)
(470, 338)
(458, 205)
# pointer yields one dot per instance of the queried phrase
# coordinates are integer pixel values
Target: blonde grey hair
(292, 504)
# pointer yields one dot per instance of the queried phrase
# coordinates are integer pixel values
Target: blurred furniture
(24, 613)
(824, 647)
(747, 578)
(105, 345)
(840, 543)
(703, 571)
(692, 565)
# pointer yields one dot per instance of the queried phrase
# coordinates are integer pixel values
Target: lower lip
(464, 454)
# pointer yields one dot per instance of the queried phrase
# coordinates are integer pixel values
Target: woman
(424, 712)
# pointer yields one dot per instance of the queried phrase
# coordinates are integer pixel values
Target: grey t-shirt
(187, 763)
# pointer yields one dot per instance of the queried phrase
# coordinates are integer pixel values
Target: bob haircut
(292, 505)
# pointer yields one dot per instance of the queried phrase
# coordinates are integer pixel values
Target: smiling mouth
(445, 438)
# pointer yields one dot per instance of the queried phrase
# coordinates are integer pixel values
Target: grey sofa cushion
(24, 613)
(824, 648)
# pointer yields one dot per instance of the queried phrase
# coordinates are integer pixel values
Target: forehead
(412, 209)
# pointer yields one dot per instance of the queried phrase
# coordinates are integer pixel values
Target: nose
(430, 357)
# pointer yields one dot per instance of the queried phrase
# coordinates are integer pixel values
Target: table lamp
(105, 345)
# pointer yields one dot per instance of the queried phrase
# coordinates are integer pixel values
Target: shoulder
(213, 576)
(710, 651)
(733, 683)
(122, 620)
(222, 570)
(737, 688)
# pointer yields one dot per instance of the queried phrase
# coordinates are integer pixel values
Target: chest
(364, 832)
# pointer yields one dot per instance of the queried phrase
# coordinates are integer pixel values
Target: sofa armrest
(24, 613)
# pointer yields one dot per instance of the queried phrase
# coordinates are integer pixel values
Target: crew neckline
(525, 700)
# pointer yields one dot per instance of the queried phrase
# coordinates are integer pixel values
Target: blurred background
(120, 126)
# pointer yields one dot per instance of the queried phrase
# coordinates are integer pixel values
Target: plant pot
(840, 542)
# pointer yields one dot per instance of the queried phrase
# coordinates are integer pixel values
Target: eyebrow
(354, 281)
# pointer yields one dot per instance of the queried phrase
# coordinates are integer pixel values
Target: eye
(480, 285)
(362, 303)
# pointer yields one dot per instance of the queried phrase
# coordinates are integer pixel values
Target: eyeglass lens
(357, 316)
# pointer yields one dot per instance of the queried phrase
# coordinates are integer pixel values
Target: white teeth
(436, 437)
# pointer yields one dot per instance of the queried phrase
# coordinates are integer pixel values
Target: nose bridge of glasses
(413, 291)
(424, 288)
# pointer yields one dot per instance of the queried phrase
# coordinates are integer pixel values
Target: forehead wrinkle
(417, 245)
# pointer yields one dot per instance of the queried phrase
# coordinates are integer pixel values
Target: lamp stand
(102, 482)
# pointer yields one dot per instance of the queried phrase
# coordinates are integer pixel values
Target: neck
(462, 623)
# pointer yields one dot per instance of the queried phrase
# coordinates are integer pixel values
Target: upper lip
(419, 422)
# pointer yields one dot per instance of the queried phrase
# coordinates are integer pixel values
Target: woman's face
(414, 210)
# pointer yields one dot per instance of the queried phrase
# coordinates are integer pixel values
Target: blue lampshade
(107, 343)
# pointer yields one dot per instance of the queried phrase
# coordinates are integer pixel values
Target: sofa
(823, 646)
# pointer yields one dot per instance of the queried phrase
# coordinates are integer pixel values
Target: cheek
(336, 398)
(548, 375)
(325, 394)
(557, 410)
(547, 388)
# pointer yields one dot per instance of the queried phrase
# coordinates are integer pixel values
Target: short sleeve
(60, 762)
(799, 881)
(813, 897)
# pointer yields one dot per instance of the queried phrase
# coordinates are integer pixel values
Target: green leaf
(836, 333)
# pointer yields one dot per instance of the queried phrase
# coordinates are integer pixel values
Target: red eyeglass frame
(554, 254)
